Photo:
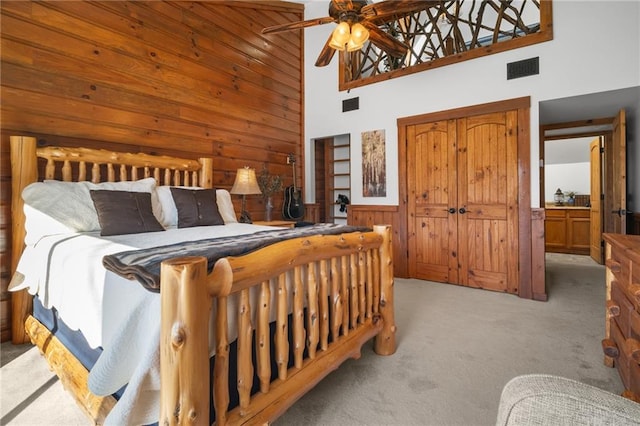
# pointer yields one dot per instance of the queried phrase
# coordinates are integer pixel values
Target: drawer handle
(613, 310)
(610, 348)
(613, 265)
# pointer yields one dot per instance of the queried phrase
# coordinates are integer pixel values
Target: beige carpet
(457, 347)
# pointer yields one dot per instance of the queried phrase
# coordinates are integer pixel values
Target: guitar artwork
(293, 209)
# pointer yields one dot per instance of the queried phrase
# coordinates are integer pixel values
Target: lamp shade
(340, 36)
(359, 35)
(246, 182)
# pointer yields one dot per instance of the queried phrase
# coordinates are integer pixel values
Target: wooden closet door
(432, 191)
(488, 201)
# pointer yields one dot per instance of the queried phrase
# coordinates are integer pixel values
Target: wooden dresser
(566, 229)
(622, 329)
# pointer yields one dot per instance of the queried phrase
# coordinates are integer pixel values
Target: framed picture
(374, 164)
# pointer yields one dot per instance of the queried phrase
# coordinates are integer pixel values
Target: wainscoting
(366, 215)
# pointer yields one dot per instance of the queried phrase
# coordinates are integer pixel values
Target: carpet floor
(457, 348)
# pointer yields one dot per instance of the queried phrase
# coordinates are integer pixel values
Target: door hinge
(601, 150)
(602, 196)
(602, 243)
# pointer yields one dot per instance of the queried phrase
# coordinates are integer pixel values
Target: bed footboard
(337, 289)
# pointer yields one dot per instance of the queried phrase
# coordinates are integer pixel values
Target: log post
(184, 342)
(385, 342)
(206, 173)
(24, 170)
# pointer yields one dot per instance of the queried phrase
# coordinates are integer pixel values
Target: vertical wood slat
(353, 296)
(123, 172)
(111, 173)
(82, 171)
(362, 295)
(282, 328)
(220, 384)
(369, 283)
(263, 347)
(324, 305)
(346, 299)
(336, 300)
(376, 281)
(66, 171)
(245, 365)
(95, 173)
(312, 311)
(298, 317)
(50, 169)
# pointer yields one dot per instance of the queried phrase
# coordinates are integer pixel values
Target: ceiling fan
(358, 21)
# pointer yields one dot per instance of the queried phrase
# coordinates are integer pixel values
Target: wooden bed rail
(80, 164)
(341, 297)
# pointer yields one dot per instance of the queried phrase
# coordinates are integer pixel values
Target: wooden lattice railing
(446, 32)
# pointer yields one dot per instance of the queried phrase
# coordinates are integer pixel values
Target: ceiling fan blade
(326, 54)
(385, 42)
(387, 9)
(297, 25)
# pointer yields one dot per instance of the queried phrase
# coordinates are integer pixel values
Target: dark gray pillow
(196, 207)
(124, 212)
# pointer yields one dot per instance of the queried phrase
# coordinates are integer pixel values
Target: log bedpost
(184, 335)
(206, 173)
(24, 170)
(385, 342)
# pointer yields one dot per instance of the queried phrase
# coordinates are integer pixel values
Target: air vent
(523, 68)
(350, 104)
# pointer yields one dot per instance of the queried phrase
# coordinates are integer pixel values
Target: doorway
(605, 209)
(333, 178)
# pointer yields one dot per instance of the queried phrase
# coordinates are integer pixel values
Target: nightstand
(278, 223)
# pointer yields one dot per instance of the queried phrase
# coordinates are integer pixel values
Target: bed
(258, 327)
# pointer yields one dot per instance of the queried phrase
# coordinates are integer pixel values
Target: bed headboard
(80, 164)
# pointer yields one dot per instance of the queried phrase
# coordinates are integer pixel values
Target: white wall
(595, 48)
(571, 177)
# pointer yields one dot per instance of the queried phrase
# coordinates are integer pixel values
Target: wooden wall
(182, 78)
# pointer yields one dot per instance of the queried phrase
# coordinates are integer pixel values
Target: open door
(618, 190)
(595, 228)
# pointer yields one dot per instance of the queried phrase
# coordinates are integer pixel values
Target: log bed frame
(344, 281)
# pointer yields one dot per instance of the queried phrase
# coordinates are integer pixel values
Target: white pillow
(70, 204)
(167, 213)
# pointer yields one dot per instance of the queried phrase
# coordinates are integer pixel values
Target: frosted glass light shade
(359, 35)
(340, 36)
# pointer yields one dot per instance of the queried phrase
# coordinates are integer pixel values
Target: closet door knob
(462, 210)
(452, 210)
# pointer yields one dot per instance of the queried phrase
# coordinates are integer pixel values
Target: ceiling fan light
(340, 36)
(359, 35)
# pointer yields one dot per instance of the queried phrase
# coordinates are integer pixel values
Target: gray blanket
(144, 265)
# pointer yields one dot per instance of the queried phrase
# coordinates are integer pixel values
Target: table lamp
(245, 184)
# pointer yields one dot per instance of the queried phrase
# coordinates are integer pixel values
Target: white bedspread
(113, 313)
